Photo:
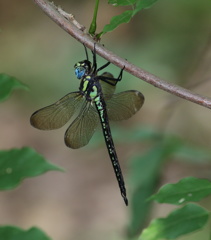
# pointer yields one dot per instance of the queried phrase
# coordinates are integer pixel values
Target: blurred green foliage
(171, 40)
(14, 233)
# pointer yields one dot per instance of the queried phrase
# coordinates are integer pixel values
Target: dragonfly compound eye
(82, 68)
(80, 72)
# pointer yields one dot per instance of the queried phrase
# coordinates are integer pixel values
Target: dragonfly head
(82, 68)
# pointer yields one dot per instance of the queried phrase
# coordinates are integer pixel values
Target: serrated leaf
(15, 233)
(179, 222)
(17, 164)
(122, 2)
(188, 189)
(7, 84)
(117, 20)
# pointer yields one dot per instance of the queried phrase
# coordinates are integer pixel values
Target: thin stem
(79, 35)
(93, 26)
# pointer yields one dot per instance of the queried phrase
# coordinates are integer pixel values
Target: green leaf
(143, 175)
(117, 20)
(141, 4)
(179, 222)
(17, 164)
(126, 16)
(189, 189)
(15, 233)
(143, 178)
(122, 2)
(140, 207)
(7, 84)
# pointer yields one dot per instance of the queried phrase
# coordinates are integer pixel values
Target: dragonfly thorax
(93, 93)
(90, 88)
(82, 68)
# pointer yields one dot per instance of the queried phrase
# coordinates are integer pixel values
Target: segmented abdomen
(101, 108)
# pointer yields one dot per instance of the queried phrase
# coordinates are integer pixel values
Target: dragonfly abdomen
(101, 108)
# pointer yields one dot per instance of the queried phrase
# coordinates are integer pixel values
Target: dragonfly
(95, 103)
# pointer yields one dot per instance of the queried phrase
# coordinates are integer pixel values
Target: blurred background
(170, 40)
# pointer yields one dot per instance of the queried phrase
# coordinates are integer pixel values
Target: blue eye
(80, 72)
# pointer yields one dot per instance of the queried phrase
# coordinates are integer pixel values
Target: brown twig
(78, 33)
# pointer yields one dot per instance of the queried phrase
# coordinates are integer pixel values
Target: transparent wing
(57, 114)
(124, 105)
(108, 89)
(83, 127)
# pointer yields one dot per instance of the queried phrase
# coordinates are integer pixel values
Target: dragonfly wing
(124, 105)
(57, 114)
(108, 88)
(83, 127)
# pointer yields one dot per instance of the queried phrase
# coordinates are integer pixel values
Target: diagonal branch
(72, 27)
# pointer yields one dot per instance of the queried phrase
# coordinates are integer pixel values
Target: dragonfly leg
(120, 74)
(94, 59)
(95, 70)
(108, 79)
(104, 66)
(87, 56)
